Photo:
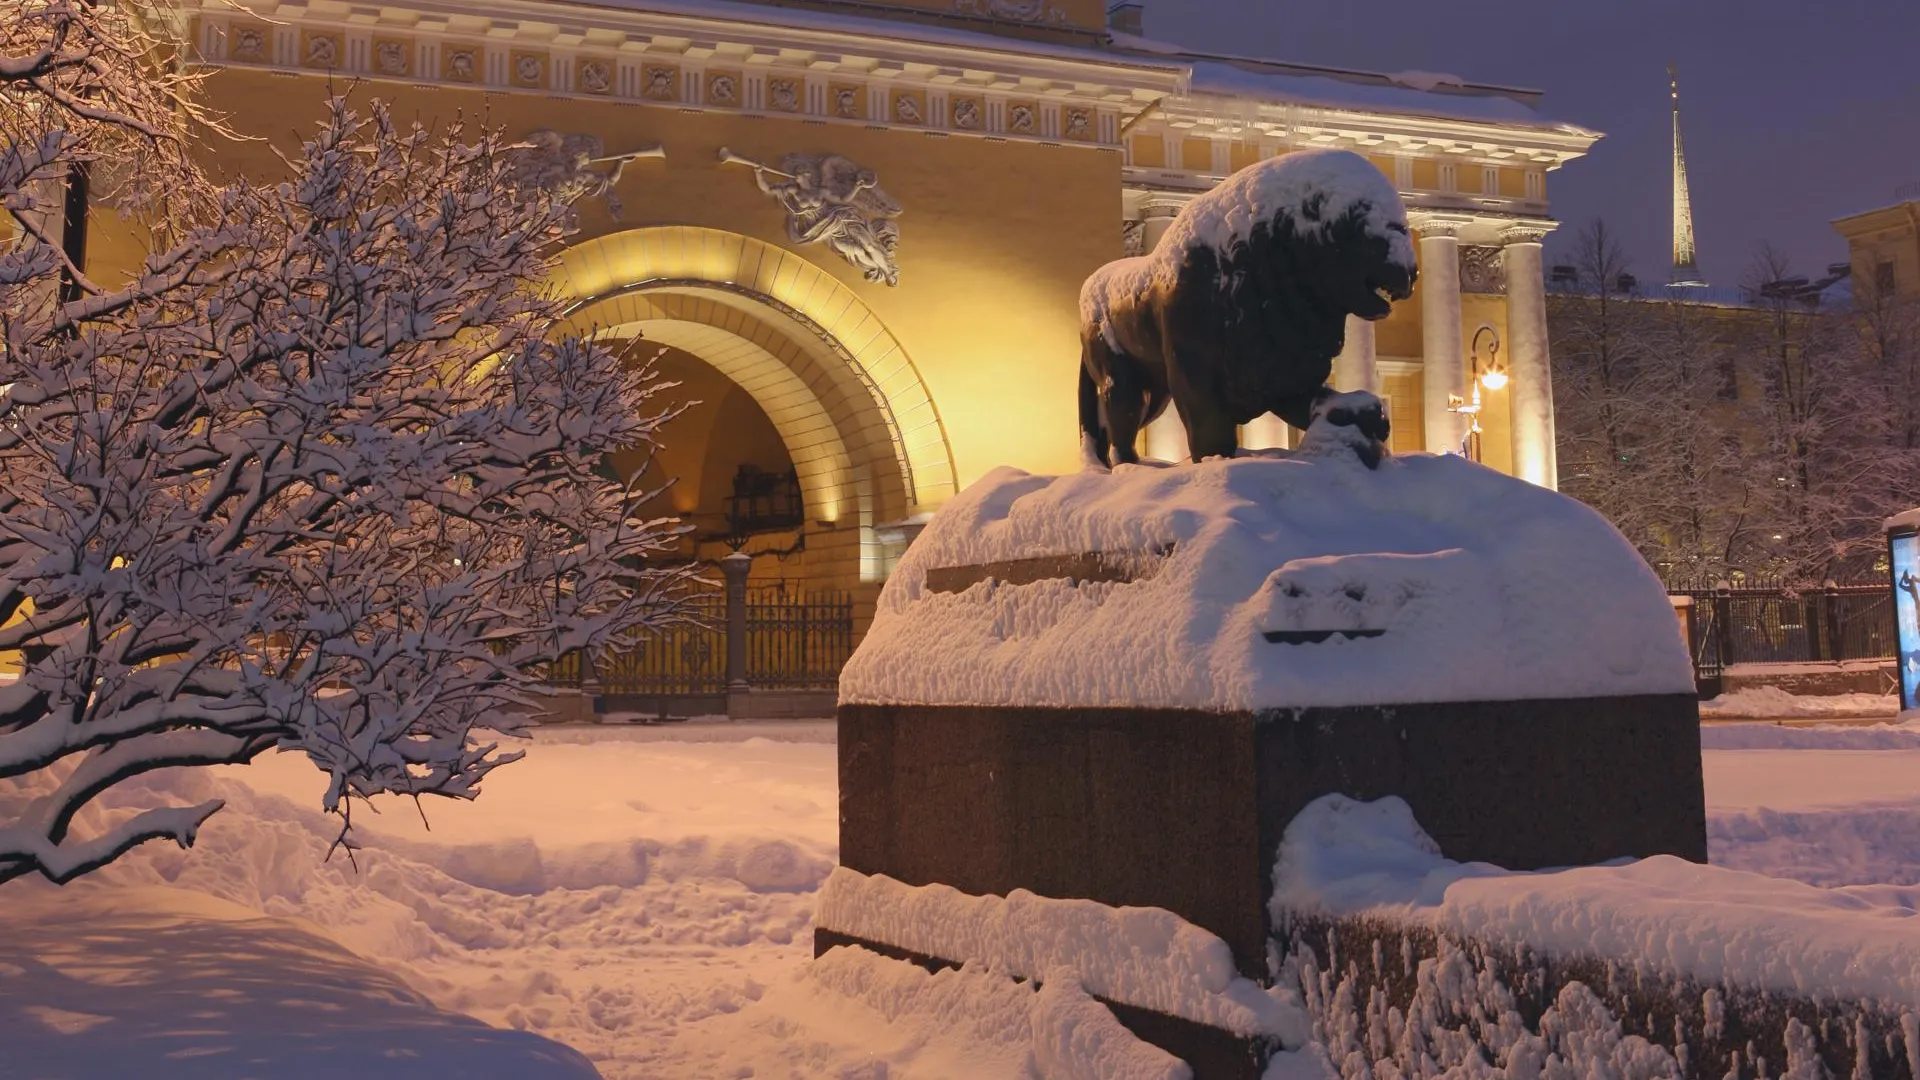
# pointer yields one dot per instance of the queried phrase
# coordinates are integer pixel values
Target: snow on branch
(322, 476)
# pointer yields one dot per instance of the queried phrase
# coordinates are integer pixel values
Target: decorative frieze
(249, 42)
(968, 113)
(1077, 124)
(847, 101)
(461, 63)
(1481, 269)
(1024, 11)
(527, 69)
(392, 57)
(909, 107)
(785, 93)
(593, 75)
(322, 49)
(1081, 102)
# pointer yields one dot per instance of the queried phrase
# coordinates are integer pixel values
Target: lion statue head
(1324, 223)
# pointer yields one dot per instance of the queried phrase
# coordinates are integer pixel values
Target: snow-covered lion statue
(1242, 307)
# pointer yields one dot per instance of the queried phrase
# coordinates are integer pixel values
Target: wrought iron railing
(1765, 622)
(794, 640)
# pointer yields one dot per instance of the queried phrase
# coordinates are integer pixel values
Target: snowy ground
(1771, 702)
(1825, 805)
(644, 895)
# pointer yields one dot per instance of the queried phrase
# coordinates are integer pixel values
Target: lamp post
(1487, 374)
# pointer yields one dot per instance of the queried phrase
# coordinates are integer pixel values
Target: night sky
(1794, 111)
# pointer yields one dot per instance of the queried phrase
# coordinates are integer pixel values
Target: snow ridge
(1713, 925)
(1146, 957)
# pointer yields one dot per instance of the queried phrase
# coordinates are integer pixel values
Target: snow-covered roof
(760, 15)
(1414, 93)
(1268, 582)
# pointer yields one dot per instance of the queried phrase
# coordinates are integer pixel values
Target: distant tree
(1815, 427)
(320, 476)
(1767, 439)
(1639, 387)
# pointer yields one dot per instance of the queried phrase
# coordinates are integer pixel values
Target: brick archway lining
(858, 421)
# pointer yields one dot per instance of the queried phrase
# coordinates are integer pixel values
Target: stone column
(1166, 437)
(1534, 459)
(1156, 213)
(1353, 368)
(1265, 432)
(1443, 361)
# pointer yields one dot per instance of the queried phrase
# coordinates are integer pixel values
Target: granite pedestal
(1185, 810)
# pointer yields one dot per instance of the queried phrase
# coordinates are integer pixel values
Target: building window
(1883, 282)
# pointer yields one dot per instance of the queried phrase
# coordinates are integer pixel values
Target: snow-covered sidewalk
(1831, 805)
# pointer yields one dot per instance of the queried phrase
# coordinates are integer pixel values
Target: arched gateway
(857, 421)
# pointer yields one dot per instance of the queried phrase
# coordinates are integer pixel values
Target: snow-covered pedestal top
(1430, 579)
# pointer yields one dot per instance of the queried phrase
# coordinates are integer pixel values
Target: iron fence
(794, 640)
(1766, 622)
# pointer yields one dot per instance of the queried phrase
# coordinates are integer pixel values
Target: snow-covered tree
(1643, 410)
(1768, 438)
(1814, 430)
(320, 475)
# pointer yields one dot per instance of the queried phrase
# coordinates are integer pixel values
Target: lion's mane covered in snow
(1242, 306)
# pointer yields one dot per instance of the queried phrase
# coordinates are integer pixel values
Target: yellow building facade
(855, 232)
(1883, 246)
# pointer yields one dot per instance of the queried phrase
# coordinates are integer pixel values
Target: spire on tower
(1684, 272)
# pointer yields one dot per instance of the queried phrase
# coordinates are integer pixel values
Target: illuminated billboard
(1903, 550)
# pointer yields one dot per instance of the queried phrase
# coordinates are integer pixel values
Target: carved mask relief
(391, 57)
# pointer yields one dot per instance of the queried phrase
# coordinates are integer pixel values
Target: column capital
(1524, 234)
(1163, 205)
(1438, 226)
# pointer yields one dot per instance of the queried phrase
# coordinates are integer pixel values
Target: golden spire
(1684, 271)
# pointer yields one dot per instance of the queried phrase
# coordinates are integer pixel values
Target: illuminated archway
(856, 418)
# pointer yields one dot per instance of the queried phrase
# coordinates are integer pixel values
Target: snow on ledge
(1146, 957)
(1431, 579)
(1717, 926)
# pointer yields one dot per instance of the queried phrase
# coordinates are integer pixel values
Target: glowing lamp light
(1493, 380)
